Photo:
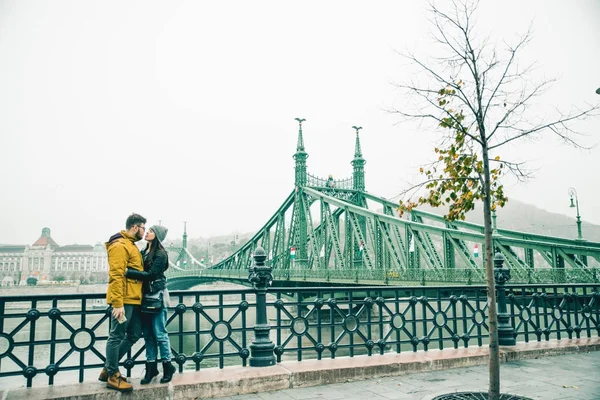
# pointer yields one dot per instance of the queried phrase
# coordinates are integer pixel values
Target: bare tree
(480, 98)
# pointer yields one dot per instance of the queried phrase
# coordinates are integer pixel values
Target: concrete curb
(231, 381)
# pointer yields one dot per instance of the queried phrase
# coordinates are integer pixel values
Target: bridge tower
(358, 174)
(358, 184)
(298, 232)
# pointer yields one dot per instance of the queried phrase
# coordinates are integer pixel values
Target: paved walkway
(573, 376)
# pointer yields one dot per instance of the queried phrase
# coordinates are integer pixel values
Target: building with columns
(46, 260)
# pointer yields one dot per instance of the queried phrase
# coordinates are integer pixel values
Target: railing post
(261, 349)
(506, 333)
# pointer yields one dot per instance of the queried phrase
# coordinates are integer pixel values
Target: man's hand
(118, 312)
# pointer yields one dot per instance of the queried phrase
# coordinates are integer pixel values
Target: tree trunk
(494, 363)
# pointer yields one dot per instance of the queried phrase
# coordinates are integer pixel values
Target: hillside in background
(515, 215)
(519, 216)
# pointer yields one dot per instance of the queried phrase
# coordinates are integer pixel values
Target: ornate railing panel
(52, 339)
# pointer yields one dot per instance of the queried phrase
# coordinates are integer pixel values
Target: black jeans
(122, 337)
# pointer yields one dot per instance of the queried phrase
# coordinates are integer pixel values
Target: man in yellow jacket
(125, 297)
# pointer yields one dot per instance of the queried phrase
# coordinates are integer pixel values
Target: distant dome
(98, 247)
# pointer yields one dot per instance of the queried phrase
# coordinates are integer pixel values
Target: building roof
(73, 248)
(45, 240)
(12, 248)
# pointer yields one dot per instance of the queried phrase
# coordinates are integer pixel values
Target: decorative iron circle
(319, 303)
(381, 343)
(299, 326)
(557, 313)
(54, 313)
(197, 357)
(466, 337)
(332, 347)
(33, 315)
(453, 299)
(129, 364)
(82, 339)
(586, 312)
(463, 298)
(414, 340)
(351, 323)
(397, 321)
(180, 308)
(424, 299)
(476, 396)
(244, 353)
(279, 304)
(455, 338)
(320, 347)
(30, 372)
(368, 302)
(51, 369)
(279, 350)
(478, 317)
(332, 302)
(413, 300)
(425, 340)
(440, 319)
(243, 306)
(380, 300)
(6, 344)
(369, 344)
(221, 331)
(525, 314)
(180, 359)
(197, 307)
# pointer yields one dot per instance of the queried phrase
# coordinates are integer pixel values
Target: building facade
(46, 260)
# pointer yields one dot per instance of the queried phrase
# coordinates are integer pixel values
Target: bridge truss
(338, 227)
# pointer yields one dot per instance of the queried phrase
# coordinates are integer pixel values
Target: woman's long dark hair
(156, 245)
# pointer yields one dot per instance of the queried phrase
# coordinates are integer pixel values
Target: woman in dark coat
(156, 336)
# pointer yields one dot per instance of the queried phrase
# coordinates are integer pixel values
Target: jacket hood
(121, 235)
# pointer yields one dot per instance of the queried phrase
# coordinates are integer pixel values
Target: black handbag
(153, 303)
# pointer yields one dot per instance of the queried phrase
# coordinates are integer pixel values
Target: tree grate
(477, 396)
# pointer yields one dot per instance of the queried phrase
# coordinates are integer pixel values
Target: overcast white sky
(184, 110)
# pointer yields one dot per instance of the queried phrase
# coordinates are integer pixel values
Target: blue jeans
(156, 336)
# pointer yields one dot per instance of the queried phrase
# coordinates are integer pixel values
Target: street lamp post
(573, 194)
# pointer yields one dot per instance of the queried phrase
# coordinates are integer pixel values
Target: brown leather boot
(103, 375)
(116, 382)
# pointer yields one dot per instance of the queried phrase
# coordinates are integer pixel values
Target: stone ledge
(237, 380)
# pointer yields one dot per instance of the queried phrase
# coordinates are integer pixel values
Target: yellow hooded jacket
(123, 253)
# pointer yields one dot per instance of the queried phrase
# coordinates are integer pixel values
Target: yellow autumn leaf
(497, 158)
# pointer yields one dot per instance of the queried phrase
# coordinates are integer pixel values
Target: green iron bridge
(332, 231)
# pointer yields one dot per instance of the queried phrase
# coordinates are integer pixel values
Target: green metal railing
(45, 337)
(446, 276)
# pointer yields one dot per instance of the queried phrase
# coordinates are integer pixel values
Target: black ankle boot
(168, 371)
(151, 372)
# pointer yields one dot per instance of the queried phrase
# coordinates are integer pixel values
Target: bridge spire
(358, 163)
(300, 156)
(184, 235)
